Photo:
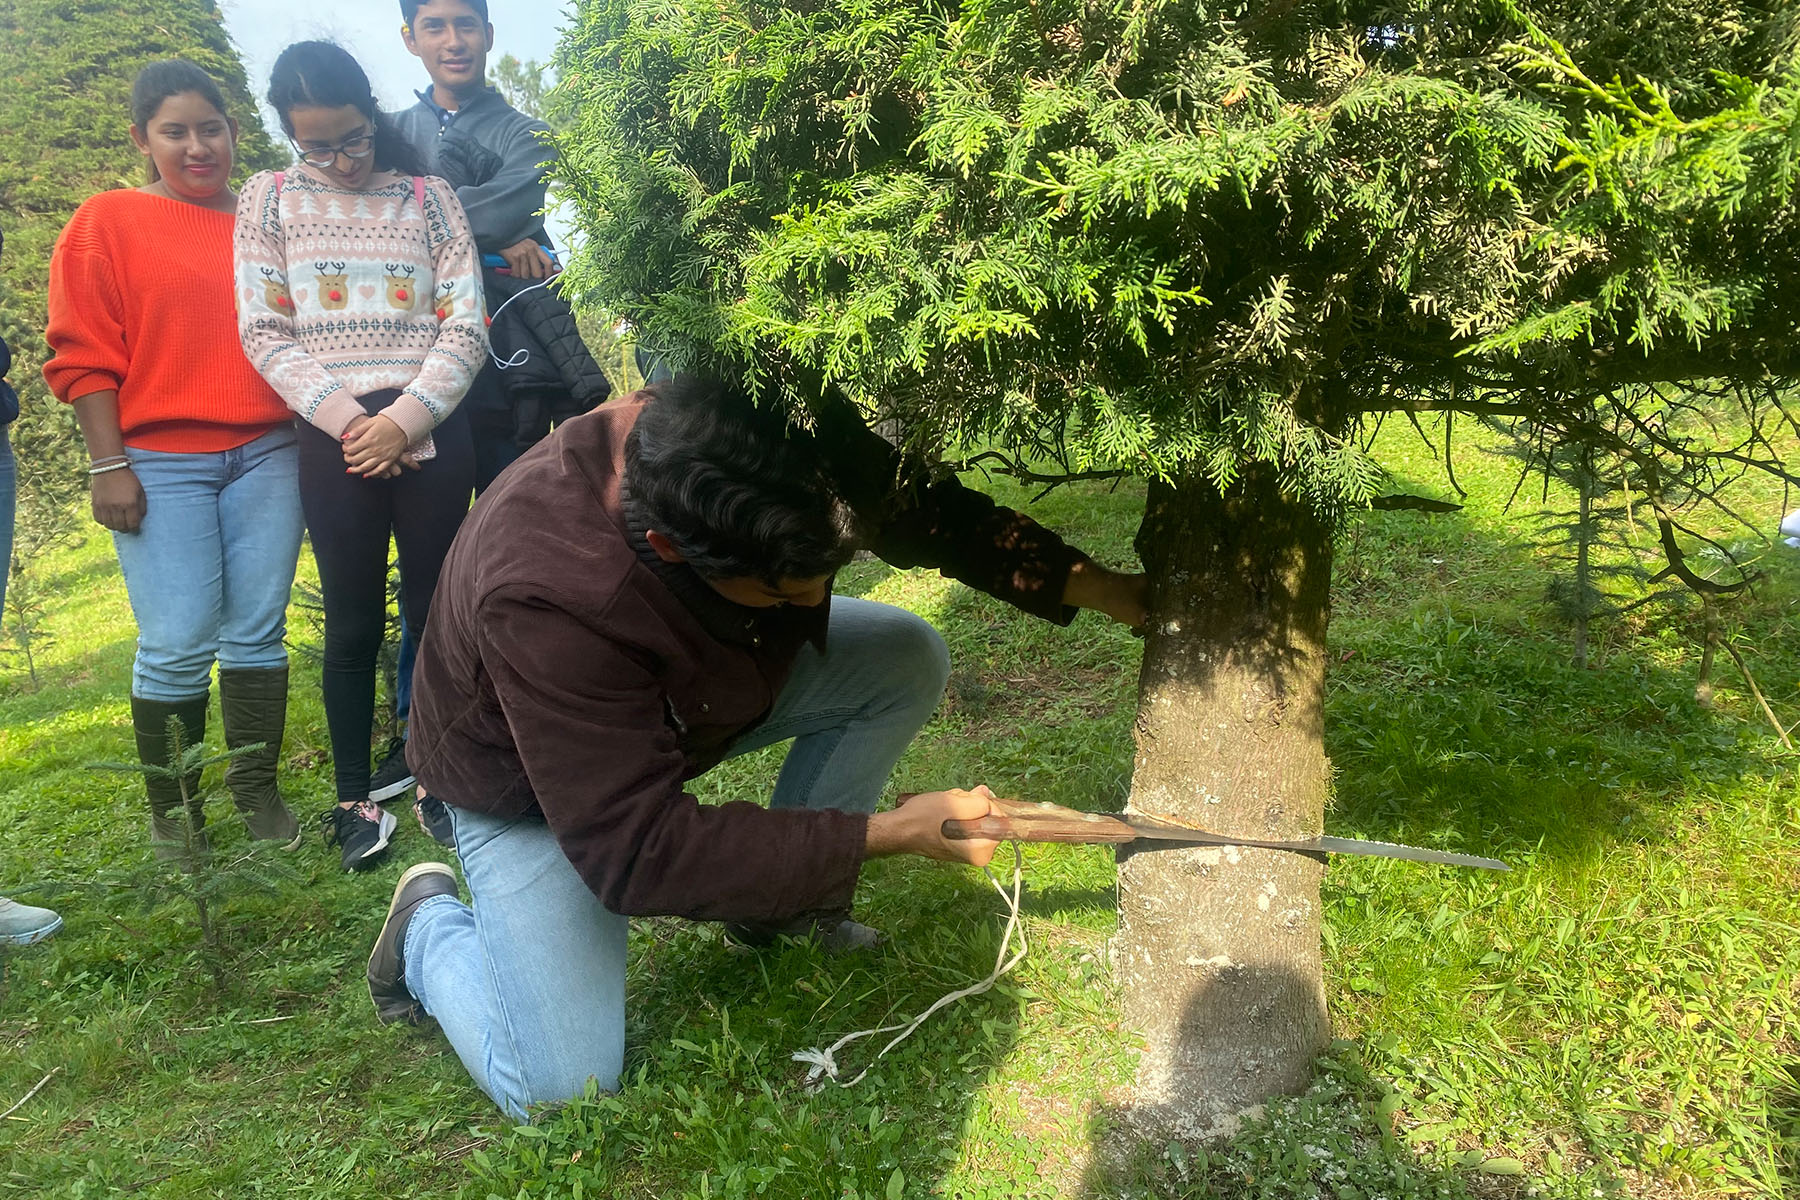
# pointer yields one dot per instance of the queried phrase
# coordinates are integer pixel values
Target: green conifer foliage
(1135, 232)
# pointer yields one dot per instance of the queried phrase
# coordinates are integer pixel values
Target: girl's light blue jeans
(211, 568)
(528, 981)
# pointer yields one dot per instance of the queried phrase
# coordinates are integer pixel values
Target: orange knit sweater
(142, 303)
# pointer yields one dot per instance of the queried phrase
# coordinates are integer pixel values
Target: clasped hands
(376, 448)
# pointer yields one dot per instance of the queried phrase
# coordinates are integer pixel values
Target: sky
(370, 29)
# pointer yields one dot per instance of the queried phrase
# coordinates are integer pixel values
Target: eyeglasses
(360, 146)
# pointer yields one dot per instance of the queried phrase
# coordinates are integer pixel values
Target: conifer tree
(1600, 539)
(1207, 244)
(523, 83)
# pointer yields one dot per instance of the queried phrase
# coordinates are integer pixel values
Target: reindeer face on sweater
(402, 287)
(334, 286)
(275, 292)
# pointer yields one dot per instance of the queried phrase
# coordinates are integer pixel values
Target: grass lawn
(1619, 1015)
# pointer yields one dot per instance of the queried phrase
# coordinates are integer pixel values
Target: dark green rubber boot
(254, 705)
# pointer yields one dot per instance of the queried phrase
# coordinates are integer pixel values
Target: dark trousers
(492, 426)
(350, 520)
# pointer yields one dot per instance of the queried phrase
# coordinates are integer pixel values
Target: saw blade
(1163, 831)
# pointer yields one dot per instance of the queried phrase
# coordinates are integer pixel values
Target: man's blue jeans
(403, 665)
(528, 983)
(211, 568)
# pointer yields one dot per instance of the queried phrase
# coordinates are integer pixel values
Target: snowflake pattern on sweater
(343, 293)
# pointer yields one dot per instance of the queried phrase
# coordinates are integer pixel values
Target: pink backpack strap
(280, 178)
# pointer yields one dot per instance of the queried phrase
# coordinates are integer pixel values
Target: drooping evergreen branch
(1136, 238)
(1011, 466)
(1780, 731)
(1675, 557)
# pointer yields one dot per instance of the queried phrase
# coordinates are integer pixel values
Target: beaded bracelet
(111, 458)
(118, 466)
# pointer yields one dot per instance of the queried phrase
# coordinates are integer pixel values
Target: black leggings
(350, 519)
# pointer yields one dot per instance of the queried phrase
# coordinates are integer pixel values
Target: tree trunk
(1218, 950)
(1703, 686)
(1584, 568)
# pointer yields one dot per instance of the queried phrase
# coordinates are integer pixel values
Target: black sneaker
(393, 777)
(361, 833)
(434, 819)
(387, 969)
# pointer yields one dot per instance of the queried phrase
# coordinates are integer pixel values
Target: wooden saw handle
(1017, 821)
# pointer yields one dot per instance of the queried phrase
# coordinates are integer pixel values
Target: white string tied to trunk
(822, 1064)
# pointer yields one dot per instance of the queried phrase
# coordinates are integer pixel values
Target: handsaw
(1018, 820)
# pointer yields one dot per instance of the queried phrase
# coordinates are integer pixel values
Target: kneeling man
(643, 595)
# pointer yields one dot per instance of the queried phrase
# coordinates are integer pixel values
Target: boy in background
(499, 162)
(453, 38)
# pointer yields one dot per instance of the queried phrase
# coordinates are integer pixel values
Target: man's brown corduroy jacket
(567, 671)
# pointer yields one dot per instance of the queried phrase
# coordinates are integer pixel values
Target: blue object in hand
(499, 263)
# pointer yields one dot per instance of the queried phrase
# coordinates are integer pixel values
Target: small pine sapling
(197, 874)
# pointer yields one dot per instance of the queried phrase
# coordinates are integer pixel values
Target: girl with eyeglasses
(193, 460)
(359, 301)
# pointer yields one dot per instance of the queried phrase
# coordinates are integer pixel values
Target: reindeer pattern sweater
(342, 293)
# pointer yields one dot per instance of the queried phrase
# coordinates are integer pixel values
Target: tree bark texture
(1218, 949)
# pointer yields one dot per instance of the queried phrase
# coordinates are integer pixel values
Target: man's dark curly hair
(738, 492)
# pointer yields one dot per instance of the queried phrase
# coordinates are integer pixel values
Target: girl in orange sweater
(194, 462)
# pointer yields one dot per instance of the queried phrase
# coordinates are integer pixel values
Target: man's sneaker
(835, 933)
(434, 819)
(393, 777)
(361, 833)
(23, 925)
(387, 969)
